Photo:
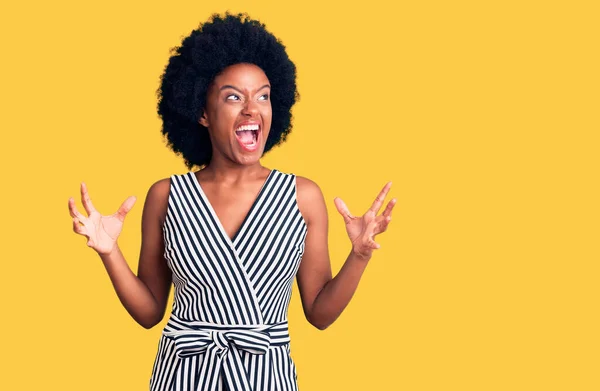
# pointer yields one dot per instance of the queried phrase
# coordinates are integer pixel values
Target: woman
(232, 236)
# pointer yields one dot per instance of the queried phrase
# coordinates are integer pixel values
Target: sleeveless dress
(228, 327)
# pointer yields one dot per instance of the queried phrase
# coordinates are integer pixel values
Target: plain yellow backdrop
(485, 115)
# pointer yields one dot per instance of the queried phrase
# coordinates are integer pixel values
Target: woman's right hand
(101, 231)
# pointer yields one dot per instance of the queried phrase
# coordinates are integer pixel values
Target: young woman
(232, 236)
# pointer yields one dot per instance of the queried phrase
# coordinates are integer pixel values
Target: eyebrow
(240, 91)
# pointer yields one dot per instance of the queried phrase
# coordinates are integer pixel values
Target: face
(238, 113)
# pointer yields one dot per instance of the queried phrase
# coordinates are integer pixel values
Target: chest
(232, 205)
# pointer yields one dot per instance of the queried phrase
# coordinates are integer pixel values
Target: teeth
(247, 127)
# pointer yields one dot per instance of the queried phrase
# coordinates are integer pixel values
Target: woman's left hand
(362, 230)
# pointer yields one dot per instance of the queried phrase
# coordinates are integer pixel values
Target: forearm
(131, 290)
(337, 293)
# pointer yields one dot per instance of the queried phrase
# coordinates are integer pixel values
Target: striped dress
(228, 328)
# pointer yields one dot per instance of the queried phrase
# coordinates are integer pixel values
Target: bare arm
(323, 297)
(144, 296)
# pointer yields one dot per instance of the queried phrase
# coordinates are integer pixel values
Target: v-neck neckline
(214, 213)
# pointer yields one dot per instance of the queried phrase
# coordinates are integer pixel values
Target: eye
(264, 97)
(232, 97)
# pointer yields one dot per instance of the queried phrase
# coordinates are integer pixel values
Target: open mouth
(247, 135)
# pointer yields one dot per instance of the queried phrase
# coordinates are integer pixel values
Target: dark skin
(231, 181)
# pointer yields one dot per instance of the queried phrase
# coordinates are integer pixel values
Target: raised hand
(101, 231)
(362, 230)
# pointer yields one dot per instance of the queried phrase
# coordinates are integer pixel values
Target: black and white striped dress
(228, 328)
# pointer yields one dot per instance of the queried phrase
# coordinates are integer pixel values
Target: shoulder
(160, 188)
(307, 188)
(158, 197)
(310, 198)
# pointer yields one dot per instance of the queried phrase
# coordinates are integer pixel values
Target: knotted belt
(221, 346)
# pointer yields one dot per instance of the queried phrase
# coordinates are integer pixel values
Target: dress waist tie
(221, 346)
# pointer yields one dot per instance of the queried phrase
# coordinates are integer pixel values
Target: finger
(78, 227)
(86, 200)
(380, 198)
(343, 209)
(390, 207)
(73, 210)
(374, 245)
(125, 208)
(378, 225)
(368, 236)
(382, 226)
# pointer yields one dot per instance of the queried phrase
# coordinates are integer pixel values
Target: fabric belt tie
(221, 346)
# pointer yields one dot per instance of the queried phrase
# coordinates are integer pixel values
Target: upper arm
(152, 268)
(315, 267)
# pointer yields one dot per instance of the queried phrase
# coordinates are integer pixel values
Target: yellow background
(485, 115)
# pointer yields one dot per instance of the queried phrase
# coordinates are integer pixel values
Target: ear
(203, 120)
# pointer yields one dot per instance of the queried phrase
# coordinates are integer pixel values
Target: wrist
(110, 254)
(360, 256)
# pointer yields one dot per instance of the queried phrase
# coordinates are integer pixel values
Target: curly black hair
(216, 44)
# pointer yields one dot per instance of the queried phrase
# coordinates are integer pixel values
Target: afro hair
(216, 44)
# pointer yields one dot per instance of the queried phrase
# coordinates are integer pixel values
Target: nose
(250, 108)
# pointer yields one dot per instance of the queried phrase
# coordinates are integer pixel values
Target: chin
(249, 160)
